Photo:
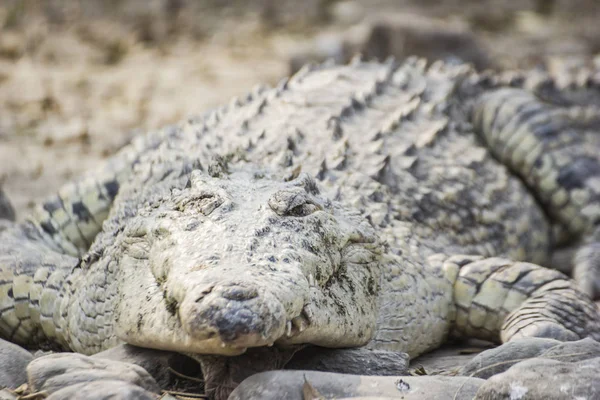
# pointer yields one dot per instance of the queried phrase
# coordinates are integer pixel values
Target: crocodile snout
(239, 314)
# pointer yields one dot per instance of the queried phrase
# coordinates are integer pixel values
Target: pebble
(55, 373)
(543, 378)
(290, 385)
(13, 361)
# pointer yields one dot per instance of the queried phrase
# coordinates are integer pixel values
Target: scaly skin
(357, 205)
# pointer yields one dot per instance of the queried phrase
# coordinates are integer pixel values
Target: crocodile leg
(33, 293)
(500, 300)
(587, 265)
(556, 152)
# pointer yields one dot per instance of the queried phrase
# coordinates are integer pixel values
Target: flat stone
(450, 358)
(6, 394)
(54, 372)
(223, 374)
(103, 390)
(579, 350)
(402, 35)
(543, 378)
(290, 385)
(155, 362)
(350, 361)
(501, 358)
(14, 360)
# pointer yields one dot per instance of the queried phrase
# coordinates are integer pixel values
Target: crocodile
(372, 204)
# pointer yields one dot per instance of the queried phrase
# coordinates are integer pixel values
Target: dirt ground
(78, 78)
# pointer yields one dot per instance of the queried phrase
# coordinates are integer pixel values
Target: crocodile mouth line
(360, 253)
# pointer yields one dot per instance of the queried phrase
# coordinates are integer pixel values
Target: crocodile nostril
(204, 292)
(239, 293)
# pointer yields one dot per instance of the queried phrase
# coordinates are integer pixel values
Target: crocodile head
(246, 260)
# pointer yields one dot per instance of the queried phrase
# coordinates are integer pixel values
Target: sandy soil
(77, 83)
(71, 96)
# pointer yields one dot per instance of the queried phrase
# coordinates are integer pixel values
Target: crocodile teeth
(300, 323)
(308, 314)
(311, 280)
(296, 325)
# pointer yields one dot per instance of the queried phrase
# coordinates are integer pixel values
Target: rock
(347, 12)
(275, 13)
(449, 358)
(6, 394)
(223, 374)
(501, 358)
(290, 384)
(397, 35)
(168, 369)
(155, 362)
(13, 361)
(541, 378)
(404, 35)
(103, 390)
(350, 361)
(579, 350)
(325, 46)
(54, 372)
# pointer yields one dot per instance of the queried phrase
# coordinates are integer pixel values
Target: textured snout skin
(235, 312)
(245, 262)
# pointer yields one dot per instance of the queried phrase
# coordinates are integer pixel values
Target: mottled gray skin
(370, 204)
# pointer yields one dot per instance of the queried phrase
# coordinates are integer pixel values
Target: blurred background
(79, 78)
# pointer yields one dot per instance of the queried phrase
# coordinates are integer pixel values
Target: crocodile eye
(293, 202)
(204, 203)
(302, 210)
(208, 203)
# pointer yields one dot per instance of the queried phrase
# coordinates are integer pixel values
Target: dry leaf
(309, 392)
(419, 371)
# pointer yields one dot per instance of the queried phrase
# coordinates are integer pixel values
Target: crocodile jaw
(269, 261)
